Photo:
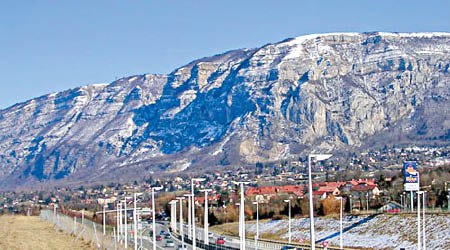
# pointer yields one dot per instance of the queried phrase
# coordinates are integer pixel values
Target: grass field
(22, 232)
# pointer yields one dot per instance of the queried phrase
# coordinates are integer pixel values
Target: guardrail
(250, 244)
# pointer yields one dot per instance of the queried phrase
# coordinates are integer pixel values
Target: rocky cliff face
(327, 92)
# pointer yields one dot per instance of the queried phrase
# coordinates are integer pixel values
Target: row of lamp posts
(191, 214)
(122, 205)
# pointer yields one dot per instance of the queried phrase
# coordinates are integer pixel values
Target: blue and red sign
(411, 175)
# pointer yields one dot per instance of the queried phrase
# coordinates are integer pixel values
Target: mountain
(324, 92)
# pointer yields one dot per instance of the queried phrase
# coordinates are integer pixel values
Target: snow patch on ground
(379, 232)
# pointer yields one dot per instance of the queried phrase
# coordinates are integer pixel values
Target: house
(364, 189)
(330, 190)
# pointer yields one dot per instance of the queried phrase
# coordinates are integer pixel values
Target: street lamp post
(153, 214)
(126, 220)
(104, 221)
(241, 214)
(289, 230)
(257, 224)
(194, 236)
(205, 219)
(173, 215)
(424, 204)
(351, 208)
(181, 220)
(189, 220)
(135, 220)
(119, 221)
(418, 220)
(341, 241)
(401, 201)
(318, 157)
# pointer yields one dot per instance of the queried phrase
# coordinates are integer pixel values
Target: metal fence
(85, 230)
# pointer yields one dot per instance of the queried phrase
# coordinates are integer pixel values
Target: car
(158, 238)
(220, 240)
(181, 247)
(287, 247)
(170, 243)
(162, 232)
(211, 235)
(167, 236)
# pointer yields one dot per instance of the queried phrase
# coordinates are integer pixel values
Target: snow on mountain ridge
(235, 108)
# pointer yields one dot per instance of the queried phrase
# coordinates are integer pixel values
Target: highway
(147, 239)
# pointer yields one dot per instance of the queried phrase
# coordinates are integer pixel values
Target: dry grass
(22, 232)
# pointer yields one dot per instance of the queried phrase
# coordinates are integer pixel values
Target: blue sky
(49, 46)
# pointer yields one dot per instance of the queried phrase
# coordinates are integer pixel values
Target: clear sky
(49, 46)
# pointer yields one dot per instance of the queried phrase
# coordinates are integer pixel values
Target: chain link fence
(85, 230)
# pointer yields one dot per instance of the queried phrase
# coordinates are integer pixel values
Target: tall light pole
(242, 215)
(194, 236)
(341, 241)
(289, 234)
(257, 224)
(126, 220)
(119, 221)
(135, 220)
(424, 204)
(351, 208)
(205, 218)
(367, 202)
(418, 220)
(401, 201)
(189, 220)
(173, 215)
(181, 220)
(153, 214)
(104, 221)
(318, 157)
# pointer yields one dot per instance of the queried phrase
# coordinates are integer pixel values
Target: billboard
(411, 176)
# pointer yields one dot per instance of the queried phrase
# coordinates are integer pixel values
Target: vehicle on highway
(158, 238)
(220, 240)
(167, 236)
(162, 232)
(170, 243)
(287, 247)
(211, 235)
(180, 247)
